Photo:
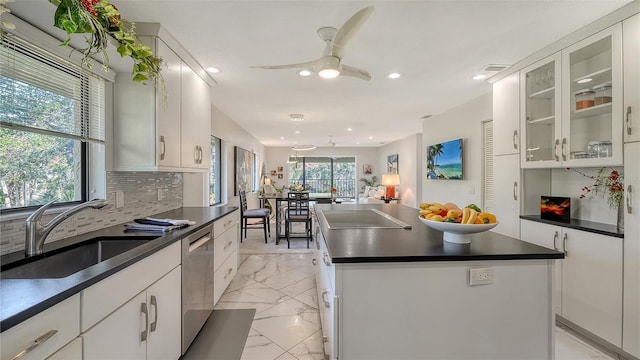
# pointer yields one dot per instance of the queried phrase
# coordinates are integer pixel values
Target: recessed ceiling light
(370, 137)
(479, 77)
(213, 70)
(281, 137)
(584, 81)
(394, 75)
(296, 117)
(297, 131)
(349, 129)
(358, 143)
(304, 72)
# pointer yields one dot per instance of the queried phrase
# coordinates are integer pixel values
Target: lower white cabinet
(548, 236)
(631, 301)
(325, 285)
(55, 327)
(71, 351)
(588, 280)
(506, 169)
(225, 252)
(146, 327)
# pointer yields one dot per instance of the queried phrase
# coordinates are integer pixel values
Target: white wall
(231, 134)
(463, 121)
(277, 156)
(409, 167)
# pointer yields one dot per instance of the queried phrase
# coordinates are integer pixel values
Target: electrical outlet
(160, 194)
(119, 199)
(481, 276)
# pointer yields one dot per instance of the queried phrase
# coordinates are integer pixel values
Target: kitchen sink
(69, 260)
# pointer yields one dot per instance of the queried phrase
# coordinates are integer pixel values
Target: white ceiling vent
(495, 67)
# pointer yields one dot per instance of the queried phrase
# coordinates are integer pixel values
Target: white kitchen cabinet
(541, 125)
(55, 327)
(592, 283)
(143, 328)
(631, 50)
(162, 128)
(226, 244)
(506, 115)
(587, 65)
(506, 178)
(325, 286)
(196, 120)
(549, 236)
(71, 351)
(631, 270)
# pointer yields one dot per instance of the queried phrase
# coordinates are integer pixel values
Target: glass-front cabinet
(571, 106)
(540, 86)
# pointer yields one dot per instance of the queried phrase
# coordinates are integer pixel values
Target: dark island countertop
(420, 243)
(21, 299)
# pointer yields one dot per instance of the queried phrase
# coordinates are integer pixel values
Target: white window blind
(487, 166)
(28, 71)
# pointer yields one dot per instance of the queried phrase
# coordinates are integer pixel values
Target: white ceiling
(436, 45)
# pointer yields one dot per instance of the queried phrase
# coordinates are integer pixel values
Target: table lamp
(390, 181)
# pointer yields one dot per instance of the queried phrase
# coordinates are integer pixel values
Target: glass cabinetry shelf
(562, 121)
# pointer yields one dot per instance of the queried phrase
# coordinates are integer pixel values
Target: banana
(425, 212)
(434, 208)
(469, 216)
(424, 205)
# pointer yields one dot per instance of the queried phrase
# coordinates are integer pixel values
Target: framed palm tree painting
(444, 160)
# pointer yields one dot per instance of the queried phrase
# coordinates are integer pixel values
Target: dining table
(284, 197)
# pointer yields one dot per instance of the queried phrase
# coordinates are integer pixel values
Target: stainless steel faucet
(37, 232)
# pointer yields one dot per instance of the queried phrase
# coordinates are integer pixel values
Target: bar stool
(298, 211)
(246, 214)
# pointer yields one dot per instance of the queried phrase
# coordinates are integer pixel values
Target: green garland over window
(101, 19)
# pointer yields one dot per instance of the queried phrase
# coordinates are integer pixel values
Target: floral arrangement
(296, 187)
(606, 181)
(101, 19)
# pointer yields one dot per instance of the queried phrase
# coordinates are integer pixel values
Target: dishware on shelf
(457, 233)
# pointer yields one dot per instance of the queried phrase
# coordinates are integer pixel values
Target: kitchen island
(401, 292)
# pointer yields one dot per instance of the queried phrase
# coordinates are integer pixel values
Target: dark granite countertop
(420, 243)
(21, 299)
(584, 225)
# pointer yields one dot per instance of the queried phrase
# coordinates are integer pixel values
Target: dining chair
(298, 211)
(259, 213)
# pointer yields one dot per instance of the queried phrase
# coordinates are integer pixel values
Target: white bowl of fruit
(456, 224)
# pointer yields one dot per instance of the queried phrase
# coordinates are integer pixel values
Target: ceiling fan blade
(346, 70)
(349, 30)
(304, 65)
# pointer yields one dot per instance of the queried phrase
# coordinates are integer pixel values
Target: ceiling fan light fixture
(329, 73)
(303, 147)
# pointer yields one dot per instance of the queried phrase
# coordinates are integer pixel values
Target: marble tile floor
(280, 284)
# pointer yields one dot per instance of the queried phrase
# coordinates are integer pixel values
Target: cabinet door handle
(325, 300)
(628, 120)
(162, 147)
(555, 150)
(228, 244)
(154, 303)
(629, 206)
(36, 343)
(515, 139)
(196, 155)
(325, 259)
(564, 245)
(515, 190)
(555, 239)
(564, 149)
(143, 309)
(228, 273)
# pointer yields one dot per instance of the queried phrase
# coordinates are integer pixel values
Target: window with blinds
(49, 110)
(487, 166)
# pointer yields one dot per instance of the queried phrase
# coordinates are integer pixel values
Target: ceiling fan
(330, 65)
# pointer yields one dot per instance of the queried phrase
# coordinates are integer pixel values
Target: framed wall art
(392, 164)
(367, 169)
(444, 160)
(243, 161)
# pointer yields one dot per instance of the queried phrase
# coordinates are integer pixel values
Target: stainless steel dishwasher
(197, 283)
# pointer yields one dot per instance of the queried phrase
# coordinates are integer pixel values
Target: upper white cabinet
(163, 128)
(506, 113)
(572, 105)
(592, 100)
(540, 88)
(631, 108)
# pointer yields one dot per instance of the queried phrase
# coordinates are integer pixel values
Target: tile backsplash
(140, 193)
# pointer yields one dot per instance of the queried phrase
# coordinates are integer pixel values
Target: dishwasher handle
(201, 241)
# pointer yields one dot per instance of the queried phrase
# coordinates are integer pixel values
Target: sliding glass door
(321, 174)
